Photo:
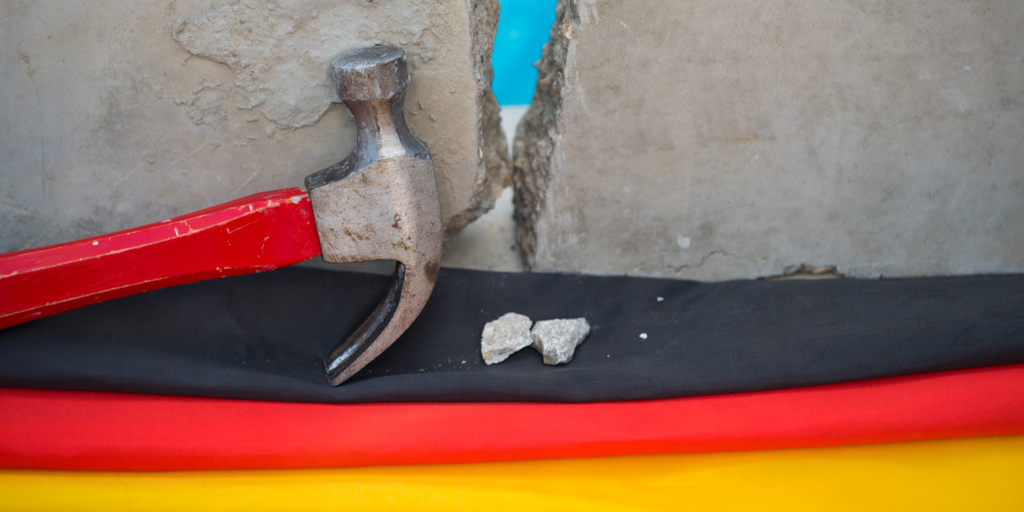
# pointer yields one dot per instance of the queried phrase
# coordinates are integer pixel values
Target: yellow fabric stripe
(962, 474)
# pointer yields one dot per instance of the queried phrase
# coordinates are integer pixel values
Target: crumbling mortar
(534, 143)
(493, 157)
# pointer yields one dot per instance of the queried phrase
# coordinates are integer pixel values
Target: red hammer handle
(254, 234)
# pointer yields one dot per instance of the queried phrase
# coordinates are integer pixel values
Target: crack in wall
(717, 252)
(494, 162)
(537, 133)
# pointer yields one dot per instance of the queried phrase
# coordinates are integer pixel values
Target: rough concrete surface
(120, 114)
(557, 339)
(719, 140)
(489, 243)
(505, 336)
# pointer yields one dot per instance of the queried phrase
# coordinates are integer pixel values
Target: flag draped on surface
(228, 375)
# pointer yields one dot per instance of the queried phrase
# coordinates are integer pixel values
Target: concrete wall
(717, 140)
(118, 114)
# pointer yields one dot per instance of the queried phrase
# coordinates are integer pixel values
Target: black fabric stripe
(265, 336)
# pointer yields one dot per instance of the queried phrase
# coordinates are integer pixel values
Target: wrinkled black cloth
(265, 337)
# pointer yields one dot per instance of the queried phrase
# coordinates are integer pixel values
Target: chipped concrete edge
(494, 162)
(537, 133)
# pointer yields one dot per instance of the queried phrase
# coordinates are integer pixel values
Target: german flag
(835, 394)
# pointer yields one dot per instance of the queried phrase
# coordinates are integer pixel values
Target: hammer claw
(341, 359)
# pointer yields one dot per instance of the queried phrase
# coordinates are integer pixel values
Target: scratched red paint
(253, 234)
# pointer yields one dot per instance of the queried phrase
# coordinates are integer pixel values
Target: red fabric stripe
(113, 431)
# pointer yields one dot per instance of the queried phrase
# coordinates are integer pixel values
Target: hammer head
(379, 203)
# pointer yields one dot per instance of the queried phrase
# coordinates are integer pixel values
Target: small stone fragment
(643, 335)
(504, 337)
(557, 340)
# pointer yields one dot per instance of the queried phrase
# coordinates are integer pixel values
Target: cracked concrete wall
(120, 114)
(719, 140)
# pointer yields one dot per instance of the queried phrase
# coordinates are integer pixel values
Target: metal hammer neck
(382, 132)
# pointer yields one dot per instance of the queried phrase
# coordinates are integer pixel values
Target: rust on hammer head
(379, 203)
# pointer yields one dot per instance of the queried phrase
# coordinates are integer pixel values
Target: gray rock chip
(504, 337)
(557, 339)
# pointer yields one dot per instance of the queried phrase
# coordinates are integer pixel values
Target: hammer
(380, 202)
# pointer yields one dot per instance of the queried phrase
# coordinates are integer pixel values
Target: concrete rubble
(557, 340)
(122, 114)
(712, 141)
(505, 336)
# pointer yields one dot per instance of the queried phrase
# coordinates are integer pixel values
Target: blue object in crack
(523, 30)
